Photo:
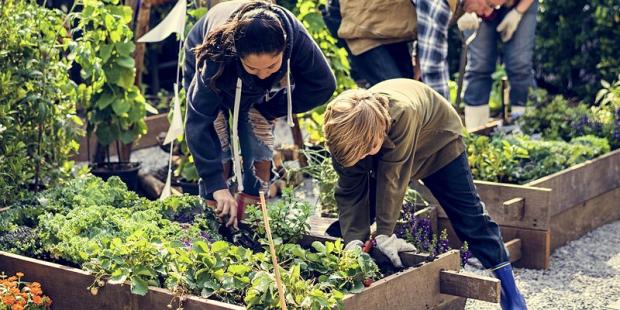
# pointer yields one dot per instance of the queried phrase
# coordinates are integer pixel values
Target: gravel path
(584, 274)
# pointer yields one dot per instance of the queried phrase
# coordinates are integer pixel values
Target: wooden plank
(582, 182)
(68, 288)
(573, 223)
(469, 285)
(535, 245)
(533, 214)
(514, 249)
(414, 288)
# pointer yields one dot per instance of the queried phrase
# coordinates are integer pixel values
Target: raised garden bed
(428, 285)
(549, 212)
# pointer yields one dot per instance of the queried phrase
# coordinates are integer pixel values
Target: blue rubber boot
(511, 298)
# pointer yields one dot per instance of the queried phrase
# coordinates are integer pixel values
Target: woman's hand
(226, 205)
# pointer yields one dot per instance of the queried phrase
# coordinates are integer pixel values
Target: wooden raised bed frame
(551, 211)
(426, 285)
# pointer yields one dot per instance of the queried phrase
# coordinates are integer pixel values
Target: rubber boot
(511, 298)
(476, 116)
(243, 201)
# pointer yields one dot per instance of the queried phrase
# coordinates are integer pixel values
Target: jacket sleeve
(352, 198)
(394, 170)
(314, 82)
(203, 105)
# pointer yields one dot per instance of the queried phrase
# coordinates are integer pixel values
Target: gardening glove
(509, 24)
(469, 21)
(391, 246)
(355, 244)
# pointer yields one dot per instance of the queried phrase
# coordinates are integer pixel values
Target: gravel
(584, 274)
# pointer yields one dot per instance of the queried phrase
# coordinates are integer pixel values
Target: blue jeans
(384, 62)
(517, 56)
(256, 143)
(453, 187)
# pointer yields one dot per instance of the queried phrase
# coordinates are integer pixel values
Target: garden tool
(462, 63)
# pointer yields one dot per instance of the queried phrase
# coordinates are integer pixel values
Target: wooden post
(142, 26)
(272, 248)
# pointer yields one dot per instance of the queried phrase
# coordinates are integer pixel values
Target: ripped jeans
(256, 143)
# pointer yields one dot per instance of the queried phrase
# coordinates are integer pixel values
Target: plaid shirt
(433, 22)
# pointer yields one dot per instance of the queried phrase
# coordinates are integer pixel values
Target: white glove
(391, 246)
(509, 24)
(469, 21)
(355, 244)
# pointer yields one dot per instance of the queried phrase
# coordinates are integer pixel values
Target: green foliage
(321, 170)
(307, 11)
(577, 45)
(331, 264)
(115, 108)
(556, 118)
(38, 122)
(119, 237)
(288, 218)
(520, 159)
(299, 293)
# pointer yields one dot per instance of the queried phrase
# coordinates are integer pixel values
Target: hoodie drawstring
(235, 137)
(289, 117)
(235, 124)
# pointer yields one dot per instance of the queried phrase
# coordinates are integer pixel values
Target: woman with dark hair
(253, 61)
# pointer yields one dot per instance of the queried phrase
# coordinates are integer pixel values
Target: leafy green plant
(520, 159)
(321, 170)
(38, 122)
(577, 45)
(300, 293)
(288, 218)
(115, 108)
(345, 270)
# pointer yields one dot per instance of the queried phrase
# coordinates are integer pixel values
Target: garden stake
(272, 248)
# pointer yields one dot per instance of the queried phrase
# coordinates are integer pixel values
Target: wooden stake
(272, 248)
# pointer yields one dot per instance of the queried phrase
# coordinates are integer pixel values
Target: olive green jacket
(424, 136)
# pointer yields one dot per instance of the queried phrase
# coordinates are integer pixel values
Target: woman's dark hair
(253, 29)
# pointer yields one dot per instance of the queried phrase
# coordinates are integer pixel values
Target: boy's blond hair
(355, 122)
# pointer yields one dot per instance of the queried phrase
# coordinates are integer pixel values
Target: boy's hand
(391, 246)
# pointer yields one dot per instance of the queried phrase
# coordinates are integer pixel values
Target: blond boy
(383, 138)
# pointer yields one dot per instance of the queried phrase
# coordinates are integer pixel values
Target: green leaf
(121, 106)
(125, 48)
(105, 100)
(239, 269)
(105, 134)
(139, 286)
(126, 61)
(149, 108)
(126, 78)
(105, 51)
